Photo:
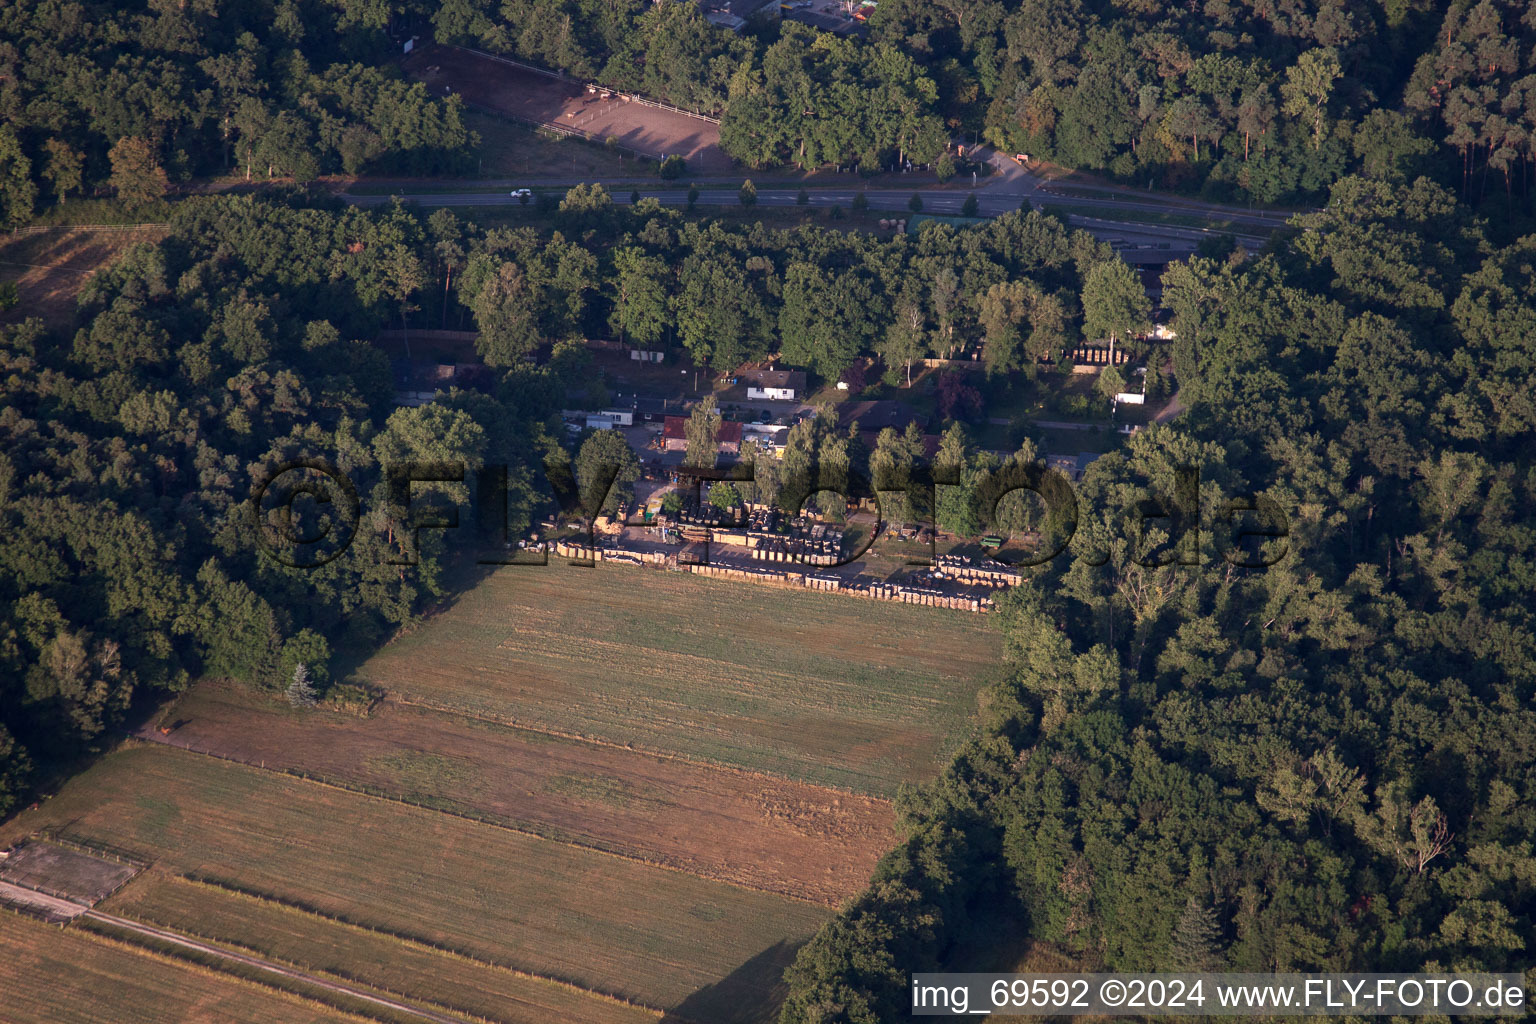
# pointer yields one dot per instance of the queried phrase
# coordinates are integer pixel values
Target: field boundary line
(197, 967)
(49, 266)
(94, 848)
(14, 911)
(310, 973)
(204, 947)
(299, 907)
(444, 708)
(35, 229)
(356, 790)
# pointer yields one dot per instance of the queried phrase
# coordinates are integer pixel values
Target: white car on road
(522, 195)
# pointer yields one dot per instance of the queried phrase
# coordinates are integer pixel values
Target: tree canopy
(140, 95)
(202, 364)
(1294, 754)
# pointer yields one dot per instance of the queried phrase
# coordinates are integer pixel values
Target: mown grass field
(833, 690)
(645, 934)
(346, 952)
(748, 829)
(50, 975)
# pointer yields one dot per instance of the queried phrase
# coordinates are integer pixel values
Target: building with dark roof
(877, 416)
(736, 15)
(418, 383)
(674, 435)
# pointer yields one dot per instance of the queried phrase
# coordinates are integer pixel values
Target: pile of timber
(991, 574)
(825, 582)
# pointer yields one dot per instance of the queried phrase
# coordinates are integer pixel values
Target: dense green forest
(1016, 290)
(1244, 99)
(1247, 100)
(133, 443)
(131, 448)
(1326, 764)
(139, 95)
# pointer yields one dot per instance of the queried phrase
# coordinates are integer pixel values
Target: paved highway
(1008, 177)
(1108, 212)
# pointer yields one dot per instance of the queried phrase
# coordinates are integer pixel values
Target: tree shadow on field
(460, 576)
(751, 994)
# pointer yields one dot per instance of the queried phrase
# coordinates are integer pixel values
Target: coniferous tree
(1196, 942)
(18, 194)
(301, 692)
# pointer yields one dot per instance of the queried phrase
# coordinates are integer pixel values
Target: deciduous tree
(136, 172)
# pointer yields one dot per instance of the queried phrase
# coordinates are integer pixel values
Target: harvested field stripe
(299, 907)
(98, 978)
(452, 711)
(217, 957)
(156, 897)
(600, 922)
(370, 794)
(218, 954)
(761, 832)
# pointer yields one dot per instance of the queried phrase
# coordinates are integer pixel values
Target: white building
(775, 385)
(605, 420)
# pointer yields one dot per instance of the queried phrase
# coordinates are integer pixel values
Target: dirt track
(161, 935)
(504, 89)
(51, 907)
